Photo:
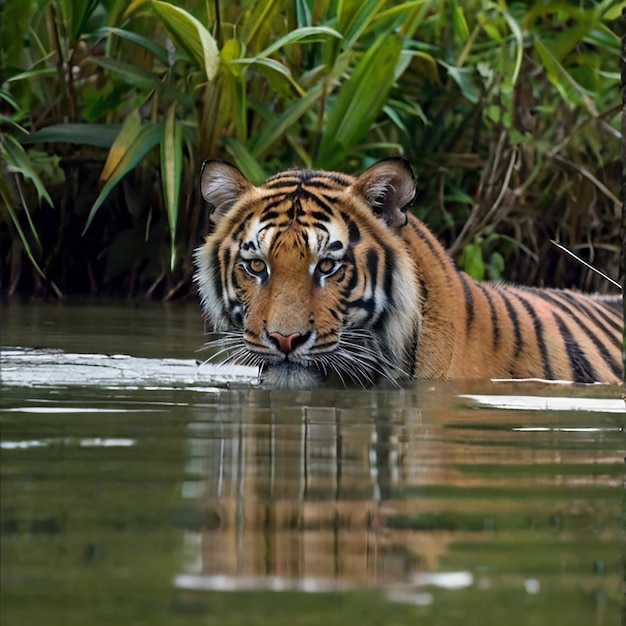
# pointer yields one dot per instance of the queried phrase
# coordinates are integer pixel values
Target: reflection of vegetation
(507, 112)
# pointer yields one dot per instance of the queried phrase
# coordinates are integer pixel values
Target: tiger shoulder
(316, 276)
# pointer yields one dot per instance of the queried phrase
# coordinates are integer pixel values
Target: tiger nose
(288, 343)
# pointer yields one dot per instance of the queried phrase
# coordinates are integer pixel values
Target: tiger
(318, 276)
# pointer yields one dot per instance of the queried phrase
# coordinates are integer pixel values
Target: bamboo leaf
(157, 51)
(99, 135)
(124, 140)
(132, 7)
(510, 83)
(7, 206)
(465, 78)
(125, 160)
(171, 170)
(259, 20)
(273, 70)
(354, 16)
(46, 72)
(403, 18)
(189, 35)
(307, 34)
(359, 101)
(246, 161)
(564, 82)
(75, 14)
(273, 131)
(17, 158)
(134, 75)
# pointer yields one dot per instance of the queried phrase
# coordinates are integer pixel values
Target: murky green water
(144, 491)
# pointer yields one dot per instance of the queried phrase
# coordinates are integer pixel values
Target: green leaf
(246, 161)
(465, 78)
(17, 158)
(7, 205)
(495, 267)
(125, 160)
(128, 133)
(157, 51)
(472, 261)
(190, 36)
(565, 84)
(273, 131)
(511, 77)
(134, 75)
(171, 170)
(259, 20)
(306, 34)
(99, 135)
(273, 69)
(46, 72)
(359, 101)
(75, 14)
(354, 16)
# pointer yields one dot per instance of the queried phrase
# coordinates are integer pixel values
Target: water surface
(140, 489)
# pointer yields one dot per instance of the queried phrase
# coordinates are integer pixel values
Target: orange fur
(319, 273)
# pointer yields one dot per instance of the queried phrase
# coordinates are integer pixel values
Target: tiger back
(317, 276)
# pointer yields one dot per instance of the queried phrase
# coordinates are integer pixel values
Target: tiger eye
(326, 266)
(257, 266)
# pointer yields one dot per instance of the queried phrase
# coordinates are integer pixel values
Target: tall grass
(508, 112)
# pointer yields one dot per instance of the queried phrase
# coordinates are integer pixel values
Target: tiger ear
(389, 189)
(222, 184)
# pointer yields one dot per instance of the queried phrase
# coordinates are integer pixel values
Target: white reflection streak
(544, 429)
(259, 583)
(221, 582)
(550, 403)
(55, 410)
(444, 580)
(96, 442)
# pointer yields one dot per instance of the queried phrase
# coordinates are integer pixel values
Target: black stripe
(548, 374)
(320, 216)
(553, 298)
(594, 312)
(335, 314)
(365, 305)
(352, 283)
(281, 180)
(495, 327)
(271, 202)
(443, 260)
(241, 226)
(324, 207)
(319, 179)
(581, 368)
(354, 234)
(390, 266)
(568, 303)
(268, 215)
(469, 300)
(517, 332)
(371, 257)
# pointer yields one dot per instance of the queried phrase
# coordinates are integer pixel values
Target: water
(143, 490)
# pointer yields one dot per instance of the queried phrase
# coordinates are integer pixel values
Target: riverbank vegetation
(508, 111)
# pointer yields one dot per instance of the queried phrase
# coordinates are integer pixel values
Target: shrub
(507, 111)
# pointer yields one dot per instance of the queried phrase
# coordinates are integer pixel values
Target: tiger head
(306, 276)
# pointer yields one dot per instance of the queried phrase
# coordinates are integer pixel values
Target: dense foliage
(507, 111)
